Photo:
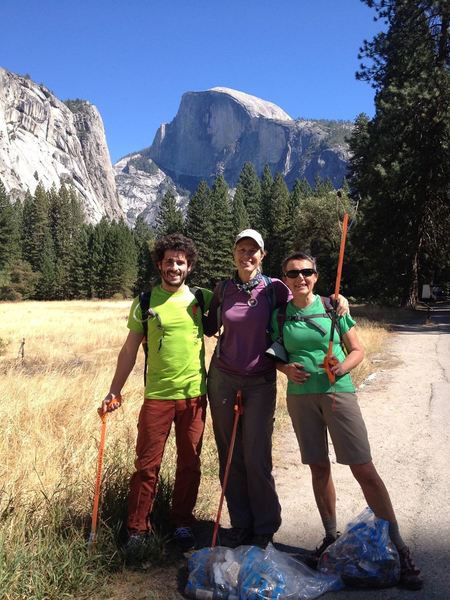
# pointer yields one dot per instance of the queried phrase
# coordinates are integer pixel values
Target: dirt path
(407, 412)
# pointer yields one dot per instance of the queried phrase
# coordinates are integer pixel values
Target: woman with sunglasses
(317, 407)
(243, 305)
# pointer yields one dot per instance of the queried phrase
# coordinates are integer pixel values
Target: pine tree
(37, 242)
(20, 283)
(277, 241)
(62, 234)
(120, 255)
(199, 228)
(97, 268)
(169, 218)
(36, 226)
(401, 158)
(240, 218)
(79, 270)
(221, 232)
(322, 187)
(300, 191)
(318, 232)
(45, 288)
(144, 239)
(249, 191)
(266, 201)
(9, 230)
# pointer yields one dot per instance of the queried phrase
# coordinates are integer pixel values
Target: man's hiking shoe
(313, 559)
(234, 537)
(135, 548)
(184, 538)
(261, 539)
(410, 576)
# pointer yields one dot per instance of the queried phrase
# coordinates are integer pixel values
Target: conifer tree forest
(399, 178)
(49, 252)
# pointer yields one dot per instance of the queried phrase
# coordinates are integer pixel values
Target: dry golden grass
(50, 426)
(48, 401)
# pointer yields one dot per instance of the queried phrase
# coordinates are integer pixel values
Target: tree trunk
(411, 293)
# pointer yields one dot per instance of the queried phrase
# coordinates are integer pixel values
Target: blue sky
(134, 59)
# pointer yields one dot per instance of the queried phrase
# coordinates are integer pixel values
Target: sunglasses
(294, 273)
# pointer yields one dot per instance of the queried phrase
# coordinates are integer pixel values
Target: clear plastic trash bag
(363, 555)
(250, 573)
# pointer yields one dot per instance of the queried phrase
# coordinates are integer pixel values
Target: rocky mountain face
(44, 139)
(214, 132)
(218, 130)
(142, 185)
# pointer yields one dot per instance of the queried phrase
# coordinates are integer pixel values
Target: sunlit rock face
(142, 185)
(219, 130)
(214, 132)
(44, 139)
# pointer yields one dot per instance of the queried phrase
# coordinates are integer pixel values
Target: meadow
(56, 363)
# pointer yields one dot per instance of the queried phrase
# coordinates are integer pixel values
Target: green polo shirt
(308, 346)
(176, 352)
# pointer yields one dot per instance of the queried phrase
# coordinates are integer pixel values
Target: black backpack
(144, 303)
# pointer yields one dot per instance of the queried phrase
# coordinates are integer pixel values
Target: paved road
(407, 412)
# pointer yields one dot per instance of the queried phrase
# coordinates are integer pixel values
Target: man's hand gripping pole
(102, 411)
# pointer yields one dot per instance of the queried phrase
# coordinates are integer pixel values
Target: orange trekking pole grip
(329, 360)
(98, 479)
(238, 411)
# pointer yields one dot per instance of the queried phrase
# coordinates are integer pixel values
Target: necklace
(248, 287)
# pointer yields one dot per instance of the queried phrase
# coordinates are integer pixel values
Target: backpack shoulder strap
(197, 292)
(270, 292)
(331, 312)
(144, 302)
(281, 319)
(221, 287)
(327, 304)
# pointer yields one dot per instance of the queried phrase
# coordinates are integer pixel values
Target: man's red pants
(155, 421)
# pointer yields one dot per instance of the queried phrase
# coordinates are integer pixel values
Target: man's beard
(172, 283)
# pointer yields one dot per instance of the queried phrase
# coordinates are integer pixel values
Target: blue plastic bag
(363, 555)
(214, 572)
(275, 575)
(250, 573)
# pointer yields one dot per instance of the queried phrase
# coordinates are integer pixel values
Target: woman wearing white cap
(243, 305)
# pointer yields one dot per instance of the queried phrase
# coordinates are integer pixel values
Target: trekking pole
(329, 361)
(238, 411)
(98, 479)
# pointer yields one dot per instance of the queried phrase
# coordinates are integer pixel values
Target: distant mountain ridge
(214, 132)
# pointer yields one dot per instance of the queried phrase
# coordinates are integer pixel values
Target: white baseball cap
(252, 234)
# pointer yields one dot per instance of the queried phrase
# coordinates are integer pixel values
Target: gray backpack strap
(329, 306)
(311, 320)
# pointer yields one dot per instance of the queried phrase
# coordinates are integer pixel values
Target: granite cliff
(218, 130)
(44, 139)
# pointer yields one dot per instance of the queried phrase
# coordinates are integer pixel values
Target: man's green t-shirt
(176, 352)
(308, 346)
